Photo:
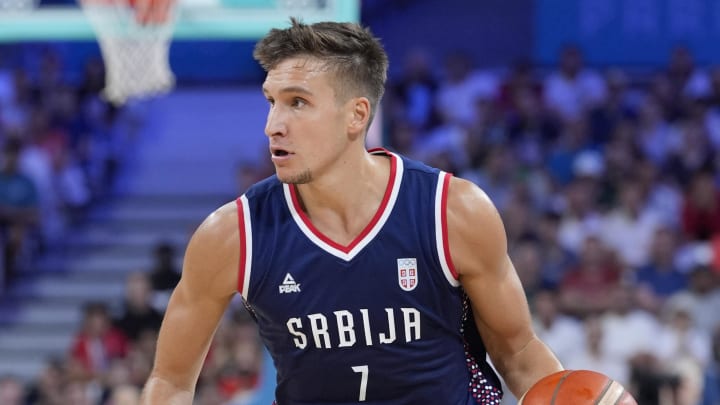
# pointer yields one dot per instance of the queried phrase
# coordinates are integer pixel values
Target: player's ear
(359, 115)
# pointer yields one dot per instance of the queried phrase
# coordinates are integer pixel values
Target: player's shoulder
(413, 166)
(475, 228)
(465, 192)
(219, 225)
(471, 206)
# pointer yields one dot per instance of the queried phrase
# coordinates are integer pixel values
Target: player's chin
(293, 176)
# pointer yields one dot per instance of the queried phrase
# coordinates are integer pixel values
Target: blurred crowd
(607, 181)
(60, 145)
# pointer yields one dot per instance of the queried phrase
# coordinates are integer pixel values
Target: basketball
(577, 387)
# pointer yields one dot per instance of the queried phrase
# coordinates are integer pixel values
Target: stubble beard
(303, 177)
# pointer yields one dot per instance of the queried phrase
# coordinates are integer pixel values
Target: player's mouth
(280, 154)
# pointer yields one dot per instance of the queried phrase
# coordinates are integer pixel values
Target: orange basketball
(577, 387)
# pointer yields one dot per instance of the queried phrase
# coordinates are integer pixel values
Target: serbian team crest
(407, 273)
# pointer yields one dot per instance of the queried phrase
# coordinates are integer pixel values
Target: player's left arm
(478, 249)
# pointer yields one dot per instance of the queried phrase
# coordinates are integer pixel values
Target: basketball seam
(620, 398)
(604, 391)
(557, 387)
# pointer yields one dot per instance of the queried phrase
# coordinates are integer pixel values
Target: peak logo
(289, 285)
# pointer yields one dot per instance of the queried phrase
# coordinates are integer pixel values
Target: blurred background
(593, 125)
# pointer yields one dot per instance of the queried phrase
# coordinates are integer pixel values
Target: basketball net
(134, 38)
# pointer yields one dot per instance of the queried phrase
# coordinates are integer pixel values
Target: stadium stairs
(181, 168)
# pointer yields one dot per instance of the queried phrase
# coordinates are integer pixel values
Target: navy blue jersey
(382, 320)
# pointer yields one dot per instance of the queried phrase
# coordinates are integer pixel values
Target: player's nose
(275, 124)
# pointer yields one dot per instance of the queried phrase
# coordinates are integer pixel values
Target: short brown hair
(350, 51)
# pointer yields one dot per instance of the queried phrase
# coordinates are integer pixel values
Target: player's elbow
(162, 389)
(508, 354)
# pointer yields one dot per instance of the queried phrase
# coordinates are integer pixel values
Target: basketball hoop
(134, 38)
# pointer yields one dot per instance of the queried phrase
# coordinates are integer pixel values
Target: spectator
(593, 355)
(686, 79)
(14, 113)
(656, 137)
(573, 90)
(98, 343)
(527, 257)
(11, 391)
(18, 207)
(685, 351)
(164, 275)
(138, 315)
(664, 196)
(72, 186)
(495, 175)
(587, 289)
(694, 154)
(556, 260)
(580, 215)
(701, 299)
(79, 392)
(682, 337)
(530, 130)
(660, 276)
(48, 389)
(520, 84)
(572, 157)
(124, 395)
(563, 334)
(36, 162)
(412, 95)
(461, 87)
(629, 228)
(235, 359)
(701, 208)
(618, 106)
(141, 356)
(630, 332)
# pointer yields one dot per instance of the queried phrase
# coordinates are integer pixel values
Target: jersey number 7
(364, 371)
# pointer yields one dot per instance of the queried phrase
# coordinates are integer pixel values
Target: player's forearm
(160, 391)
(523, 369)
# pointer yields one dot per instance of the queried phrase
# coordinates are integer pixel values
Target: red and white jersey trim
(441, 232)
(245, 227)
(348, 252)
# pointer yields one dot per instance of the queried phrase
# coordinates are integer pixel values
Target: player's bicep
(185, 335)
(478, 247)
(196, 306)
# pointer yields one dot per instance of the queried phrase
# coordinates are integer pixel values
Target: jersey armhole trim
(441, 229)
(245, 230)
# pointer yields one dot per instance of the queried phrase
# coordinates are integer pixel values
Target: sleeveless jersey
(382, 320)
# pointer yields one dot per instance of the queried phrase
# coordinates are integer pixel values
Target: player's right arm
(209, 280)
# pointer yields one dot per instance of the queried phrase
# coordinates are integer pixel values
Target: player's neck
(344, 201)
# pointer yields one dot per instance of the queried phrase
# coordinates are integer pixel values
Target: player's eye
(298, 102)
(271, 102)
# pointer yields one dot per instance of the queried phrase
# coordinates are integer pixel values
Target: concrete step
(74, 288)
(98, 262)
(37, 343)
(152, 213)
(98, 237)
(27, 328)
(40, 312)
(26, 366)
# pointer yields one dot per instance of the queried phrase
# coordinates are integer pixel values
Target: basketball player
(373, 278)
